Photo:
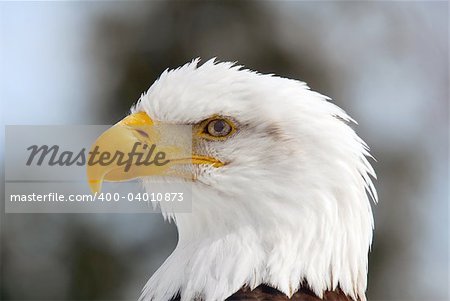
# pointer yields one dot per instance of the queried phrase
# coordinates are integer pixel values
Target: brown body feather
(266, 293)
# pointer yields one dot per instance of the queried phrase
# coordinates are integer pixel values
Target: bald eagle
(281, 187)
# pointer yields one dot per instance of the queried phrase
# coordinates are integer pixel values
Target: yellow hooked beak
(137, 147)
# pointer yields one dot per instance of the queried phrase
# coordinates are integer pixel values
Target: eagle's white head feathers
(291, 205)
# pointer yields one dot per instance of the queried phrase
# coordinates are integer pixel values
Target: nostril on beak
(142, 133)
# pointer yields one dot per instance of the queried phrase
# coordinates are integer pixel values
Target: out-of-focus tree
(172, 33)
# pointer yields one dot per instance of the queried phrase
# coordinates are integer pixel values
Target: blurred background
(385, 63)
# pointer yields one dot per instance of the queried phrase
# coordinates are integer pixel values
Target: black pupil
(219, 126)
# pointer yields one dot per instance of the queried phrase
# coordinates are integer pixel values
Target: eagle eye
(217, 128)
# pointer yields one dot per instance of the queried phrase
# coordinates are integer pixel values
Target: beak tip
(95, 185)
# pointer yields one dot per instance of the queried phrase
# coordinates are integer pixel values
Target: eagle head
(281, 184)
